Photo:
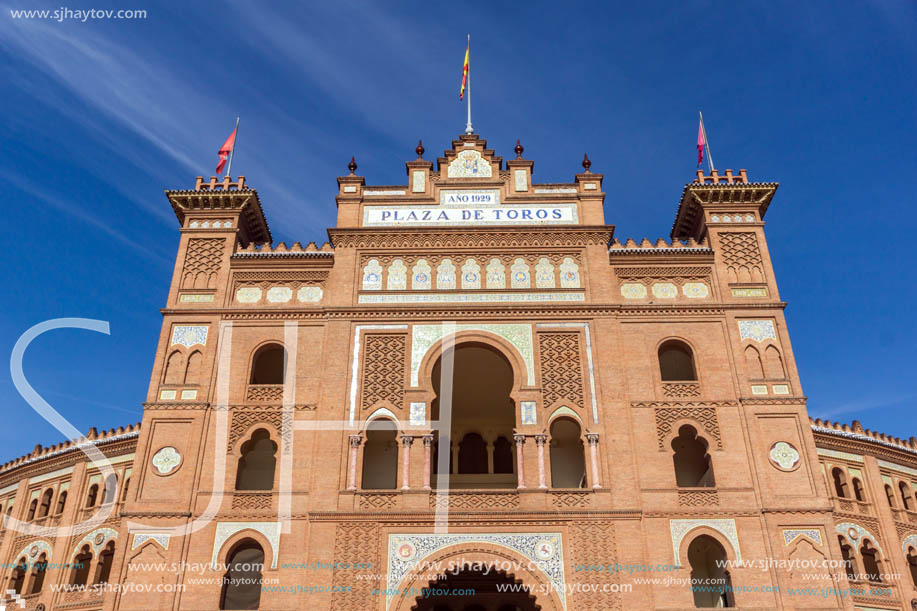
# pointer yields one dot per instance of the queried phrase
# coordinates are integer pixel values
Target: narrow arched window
(710, 581)
(127, 483)
(242, 580)
(39, 569)
(33, 507)
(79, 575)
(859, 493)
(93, 495)
(912, 564)
(257, 463)
(906, 500)
(106, 557)
(193, 368)
(503, 455)
(472, 454)
(676, 362)
(870, 561)
(840, 483)
(693, 465)
(568, 461)
(849, 557)
(17, 579)
(380, 456)
(890, 496)
(45, 507)
(268, 365)
(61, 502)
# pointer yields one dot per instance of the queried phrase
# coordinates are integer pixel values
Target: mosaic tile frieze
(33, 550)
(407, 552)
(96, 539)
(856, 533)
(225, 530)
(757, 330)
(791, 534)
(189, 335)
(140, 538)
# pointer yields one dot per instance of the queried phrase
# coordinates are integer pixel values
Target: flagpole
(233, 150)
(706, 142)
(468, 128)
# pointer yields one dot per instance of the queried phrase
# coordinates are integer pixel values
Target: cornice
(684, 403)
(467, 237)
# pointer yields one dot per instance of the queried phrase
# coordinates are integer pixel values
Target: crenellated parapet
(855, 431)
(92, 437)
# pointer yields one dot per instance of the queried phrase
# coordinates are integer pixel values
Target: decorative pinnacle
(586, 163)
(518, 149)
(419, 150)
(352, 166)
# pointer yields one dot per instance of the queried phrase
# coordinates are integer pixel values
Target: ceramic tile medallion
(544, 550)
(633, 290)
(469, 164)
(248, 294)
(166, 460)
(695, 290)
(309, 294)
(529, 415)
(784, 456)
(279, 294)
(665, 290)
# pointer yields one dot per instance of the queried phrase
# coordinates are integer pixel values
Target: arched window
(380, 456)
(710, 580)
(257, 464)
(840, 482)
(268, 365)
(61, 502)
(472, 454)
(890, 495)
(80, 573)
(858, 492)
(775, 370)
(193, 368)
(849, 557)
(106, 556)
(870, 561)
(912, 564)
(753, 363)
(45, 507)
(242, 581)
(906, 501)
(693, 466)
(39, 569)
(93, 495)
(568, 462)
(174, 370)
(17, 579)
(503, 455)
(676, 362)
(33, 506)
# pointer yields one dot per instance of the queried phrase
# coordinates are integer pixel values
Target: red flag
(226, 149)
(701, 141)
(465, 70)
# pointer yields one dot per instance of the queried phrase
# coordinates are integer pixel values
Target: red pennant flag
(225, 150)
(701, 141)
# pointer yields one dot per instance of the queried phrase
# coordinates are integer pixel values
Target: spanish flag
(465, 70)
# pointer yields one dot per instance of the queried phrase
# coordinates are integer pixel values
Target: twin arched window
(676, 362)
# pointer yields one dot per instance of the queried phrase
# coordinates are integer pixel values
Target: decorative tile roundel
(166, 460)
(784, 456)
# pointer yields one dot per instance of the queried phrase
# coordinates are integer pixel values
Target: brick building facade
(473, 371)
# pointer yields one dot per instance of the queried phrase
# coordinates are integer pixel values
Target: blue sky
(99, 117)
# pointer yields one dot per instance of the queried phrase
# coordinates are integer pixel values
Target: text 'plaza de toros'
(472, 398)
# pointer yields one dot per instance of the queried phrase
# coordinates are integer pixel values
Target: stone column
(542, 480)
(520, 463)
(454, 448)
(427, 459)
(355, 441)
(489, 448)
(406, 441)
(593, 439)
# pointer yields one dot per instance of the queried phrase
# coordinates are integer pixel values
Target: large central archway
(473, 590)
(483, 418)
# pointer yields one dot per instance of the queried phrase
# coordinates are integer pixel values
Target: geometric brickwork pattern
(742, 257)
(561, 371)
(355, 543)
(706, 416)
(383, 369)
(242, 421)
(202, 262)
(698, 498)
(594, 543)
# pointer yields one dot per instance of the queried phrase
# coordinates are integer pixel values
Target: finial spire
(352, 166)
(518, 149)
(419, 150)
(586, 163)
